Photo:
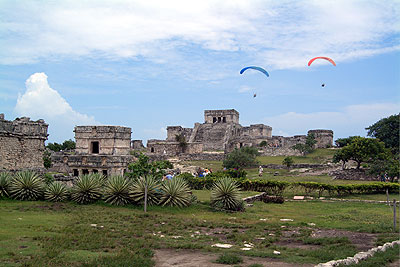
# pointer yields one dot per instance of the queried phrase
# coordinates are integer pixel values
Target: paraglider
(255, 68)
(326, 58)
(323, 85)
(254, 95)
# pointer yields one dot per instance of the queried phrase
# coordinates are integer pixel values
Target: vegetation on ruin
(307, 147)
(144, 167)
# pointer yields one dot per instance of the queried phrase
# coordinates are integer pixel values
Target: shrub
(48, 178)
(56, 192)
(5, 179)
(225, 195)
(272, 199)
(241, 158)
(288, 161)
(229, 258)
(116, 191)
(137, 190)
(26, 185)
(176, 192)
(87, 189)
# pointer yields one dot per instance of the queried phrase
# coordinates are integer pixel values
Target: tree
(387, 130)
(342, 142)
(361, 150)
(143, 167)
(46, 159)
(307, 147)
(66, 145)
(241, 158)
(389, 166)
(288, 161)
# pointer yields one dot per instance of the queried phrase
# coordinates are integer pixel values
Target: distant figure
(260, 171)
(169, 176)
(323, 85)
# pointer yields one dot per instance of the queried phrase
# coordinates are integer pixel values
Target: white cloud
(280, 34)
(40, 101)
(245, 89)
(351, 120)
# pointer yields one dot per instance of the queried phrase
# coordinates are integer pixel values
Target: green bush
(229, 258)
(137, 190)
(87, 189)
(26, 185)
(116, 191)
(225, 195)
(48, 178)
(5, 179)
(56, 192)
(241, 158)
(175, 192)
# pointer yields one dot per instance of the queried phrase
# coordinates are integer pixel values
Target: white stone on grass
(277, 252)
(286, 220)
(245, 248)
(218, 245)
(93, 225)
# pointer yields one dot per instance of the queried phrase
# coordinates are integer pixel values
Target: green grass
(229, 258)
(61, 234)
(319, 156)
(205, 195)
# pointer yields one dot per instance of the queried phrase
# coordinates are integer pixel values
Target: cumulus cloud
(280, 34)
(350, 120)
(40, 101)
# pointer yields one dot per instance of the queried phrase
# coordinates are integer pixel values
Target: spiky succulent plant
(225, 195)
(116, 191)
(5, 179)
(87, 189)
(137, 190)
(175, 192)
(56, 192)
(26, 185)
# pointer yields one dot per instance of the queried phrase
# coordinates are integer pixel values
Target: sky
(152, 64)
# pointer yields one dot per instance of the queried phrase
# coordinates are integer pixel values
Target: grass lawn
(66, 234)
(319, 156)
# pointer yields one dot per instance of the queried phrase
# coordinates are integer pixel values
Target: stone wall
(22, 144)
(137, 145)
(112, 140)
(173, 131)
(170, 148)
(75, 165)
(221, 116)
(324, 138)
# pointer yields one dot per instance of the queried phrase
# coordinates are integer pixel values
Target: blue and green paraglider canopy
(255, 68)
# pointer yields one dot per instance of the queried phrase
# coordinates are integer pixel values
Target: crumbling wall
(22, 143)
(173, 131)
(324, 138)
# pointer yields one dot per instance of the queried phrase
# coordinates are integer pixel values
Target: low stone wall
(279, 151)
(187, 157)
(353, 174)
(295, 166)
(359, 256)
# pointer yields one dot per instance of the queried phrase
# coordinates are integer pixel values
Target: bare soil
(190, 258)
(362, 241)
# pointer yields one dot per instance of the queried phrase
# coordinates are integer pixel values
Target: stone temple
(221, 132)
(99, 149)
(22, 144)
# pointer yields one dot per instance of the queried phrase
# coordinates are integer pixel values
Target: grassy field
(319, 156)
(66, 234)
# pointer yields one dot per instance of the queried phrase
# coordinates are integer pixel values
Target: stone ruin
(22, 144)
(106, 149)
(222, 133)
(99, 149)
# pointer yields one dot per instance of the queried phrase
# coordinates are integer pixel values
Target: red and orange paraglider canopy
(326, 58)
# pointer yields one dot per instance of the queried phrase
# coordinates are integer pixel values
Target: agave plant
(87, 189)
(26, 185)
(176, 192)
(137, 190)
(225, 195)
(116, 191)
(56, 192)
(5, 178)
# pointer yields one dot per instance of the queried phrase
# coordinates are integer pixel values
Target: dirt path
(192, 258)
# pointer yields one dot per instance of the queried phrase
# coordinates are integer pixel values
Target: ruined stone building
(221, 132)
(99, 149)
(22, 144)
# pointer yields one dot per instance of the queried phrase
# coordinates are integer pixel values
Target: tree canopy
(66, 145)
(308, 146)
(387, 130)
(241, 158)
(143, 167)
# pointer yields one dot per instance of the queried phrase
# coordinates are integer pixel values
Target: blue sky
(147, 65)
